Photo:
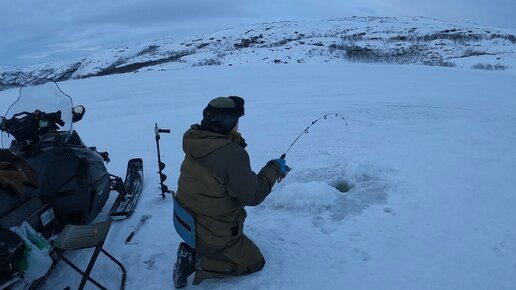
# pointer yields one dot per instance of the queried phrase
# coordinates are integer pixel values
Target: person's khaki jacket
(216, 182)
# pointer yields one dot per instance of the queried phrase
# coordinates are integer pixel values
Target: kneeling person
(215, 183)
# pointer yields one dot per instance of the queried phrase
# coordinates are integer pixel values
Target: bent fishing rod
(304, 132)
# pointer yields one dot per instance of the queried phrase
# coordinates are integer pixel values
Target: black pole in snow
(161, 165)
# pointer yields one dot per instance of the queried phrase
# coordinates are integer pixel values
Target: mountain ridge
(398, 40)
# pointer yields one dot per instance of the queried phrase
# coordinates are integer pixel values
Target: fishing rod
(304, 132)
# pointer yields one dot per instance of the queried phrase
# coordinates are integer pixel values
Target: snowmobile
(48, 177)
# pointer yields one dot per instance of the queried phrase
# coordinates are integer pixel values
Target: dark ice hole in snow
(343, 186)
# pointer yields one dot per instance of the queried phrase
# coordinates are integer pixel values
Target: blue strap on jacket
(184, 223)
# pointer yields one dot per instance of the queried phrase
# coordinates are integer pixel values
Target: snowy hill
(400, 40)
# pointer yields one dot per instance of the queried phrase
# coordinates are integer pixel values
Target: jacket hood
(198, 143)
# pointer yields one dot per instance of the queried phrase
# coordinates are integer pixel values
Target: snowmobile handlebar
(52, 117)
(25, 125)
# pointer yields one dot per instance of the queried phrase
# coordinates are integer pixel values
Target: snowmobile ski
(128, 191)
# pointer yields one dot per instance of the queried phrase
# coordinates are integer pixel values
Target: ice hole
(343, 186)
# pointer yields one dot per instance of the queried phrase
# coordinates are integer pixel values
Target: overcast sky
(35, 31)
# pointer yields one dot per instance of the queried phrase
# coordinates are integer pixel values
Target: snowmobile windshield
(39, 110)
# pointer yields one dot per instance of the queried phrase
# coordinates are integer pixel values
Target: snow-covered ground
(429, 154)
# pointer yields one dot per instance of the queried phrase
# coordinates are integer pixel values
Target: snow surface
(428, 153)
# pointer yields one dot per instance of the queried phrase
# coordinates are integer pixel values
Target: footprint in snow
(361, 255)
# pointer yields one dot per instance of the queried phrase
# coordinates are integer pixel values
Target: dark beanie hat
(222, 113)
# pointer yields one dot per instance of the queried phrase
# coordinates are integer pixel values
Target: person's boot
(184, 266)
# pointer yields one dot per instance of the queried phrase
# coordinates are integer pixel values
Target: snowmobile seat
(76, 237)
(184, 223)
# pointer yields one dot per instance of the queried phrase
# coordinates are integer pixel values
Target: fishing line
(305, 131)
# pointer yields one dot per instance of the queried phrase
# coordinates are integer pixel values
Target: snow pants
(239, 258)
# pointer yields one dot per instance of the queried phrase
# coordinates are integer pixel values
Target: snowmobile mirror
(77, 113)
